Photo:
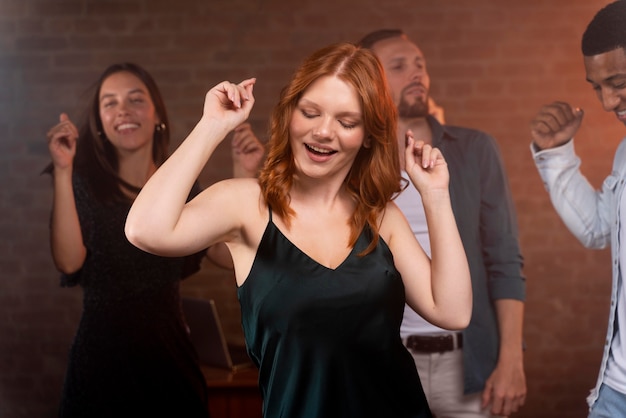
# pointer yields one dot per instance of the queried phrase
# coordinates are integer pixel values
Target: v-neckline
(308, 256)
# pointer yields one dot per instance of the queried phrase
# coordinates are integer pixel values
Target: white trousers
(442, 378)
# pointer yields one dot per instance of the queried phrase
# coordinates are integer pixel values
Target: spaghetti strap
(299, 315)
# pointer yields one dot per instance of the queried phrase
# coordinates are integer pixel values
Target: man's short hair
(607, 30)
(379, 35)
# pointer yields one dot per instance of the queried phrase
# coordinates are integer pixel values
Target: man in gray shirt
(480, 371)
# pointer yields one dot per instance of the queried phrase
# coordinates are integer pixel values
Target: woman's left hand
(425, 165)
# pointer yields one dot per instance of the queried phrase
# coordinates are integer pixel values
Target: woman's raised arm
(441, 290)
(160, 221)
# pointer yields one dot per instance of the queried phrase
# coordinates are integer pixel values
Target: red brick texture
(492, 64)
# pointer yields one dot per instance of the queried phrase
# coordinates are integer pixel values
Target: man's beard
(419, 109)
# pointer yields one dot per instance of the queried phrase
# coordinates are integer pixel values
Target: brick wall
(492, 65)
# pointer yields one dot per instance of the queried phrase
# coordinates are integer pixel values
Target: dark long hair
(96, 160)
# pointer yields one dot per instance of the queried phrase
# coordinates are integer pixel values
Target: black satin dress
(327, 341)
(131, 356)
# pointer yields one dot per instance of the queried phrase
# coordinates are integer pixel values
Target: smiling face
(607, 74)
(326, 129)
(127, 113)
(405, 70)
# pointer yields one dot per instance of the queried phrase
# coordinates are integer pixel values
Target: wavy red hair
(374, 178)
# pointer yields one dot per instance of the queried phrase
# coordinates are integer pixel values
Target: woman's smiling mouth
(318, 150)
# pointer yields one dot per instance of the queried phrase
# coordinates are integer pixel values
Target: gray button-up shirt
(487, 223)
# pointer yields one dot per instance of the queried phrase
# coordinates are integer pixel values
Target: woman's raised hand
(62, 139)
(229, 102)
(425, 165)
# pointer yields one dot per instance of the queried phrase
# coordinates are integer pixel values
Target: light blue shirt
(593, 216)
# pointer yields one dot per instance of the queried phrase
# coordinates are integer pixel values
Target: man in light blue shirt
(595, 217)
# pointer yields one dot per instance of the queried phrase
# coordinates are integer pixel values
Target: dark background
(492, 64)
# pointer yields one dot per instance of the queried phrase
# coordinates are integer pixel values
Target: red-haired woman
(324, 260)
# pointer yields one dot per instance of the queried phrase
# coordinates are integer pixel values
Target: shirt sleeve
(498, 227)
(585, 211)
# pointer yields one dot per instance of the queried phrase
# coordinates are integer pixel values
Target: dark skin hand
(555, 124)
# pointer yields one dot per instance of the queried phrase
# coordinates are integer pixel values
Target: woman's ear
(367, 143)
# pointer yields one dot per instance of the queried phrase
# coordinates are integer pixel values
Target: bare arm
(160, 221)
(66, 240)
(439, 289)
(247, 153)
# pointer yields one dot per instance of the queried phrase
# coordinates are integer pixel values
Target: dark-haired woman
(131, 355)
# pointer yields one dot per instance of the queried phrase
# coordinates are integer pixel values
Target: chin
(418, 109)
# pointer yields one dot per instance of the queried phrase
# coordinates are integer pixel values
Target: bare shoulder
(238, 193)
(391, 221)
(392, 214)
(239, 184)
(234, 190)
(242, 206)
(241, 200)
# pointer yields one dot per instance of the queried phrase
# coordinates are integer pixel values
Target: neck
(315, 189)
(321, 201)
(137, 167)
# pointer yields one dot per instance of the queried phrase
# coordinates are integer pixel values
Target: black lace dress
(131, 355)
